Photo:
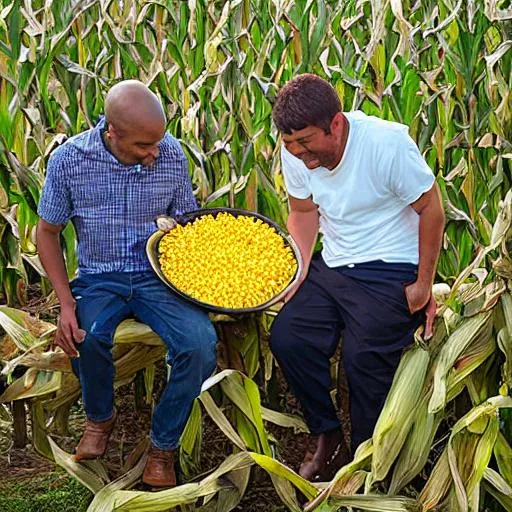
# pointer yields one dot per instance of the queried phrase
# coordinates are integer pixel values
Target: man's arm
(303, 225)
(50, 254)
(430, 209)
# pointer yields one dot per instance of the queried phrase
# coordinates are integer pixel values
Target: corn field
(442, 67)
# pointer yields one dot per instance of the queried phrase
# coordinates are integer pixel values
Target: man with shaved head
(112, 182)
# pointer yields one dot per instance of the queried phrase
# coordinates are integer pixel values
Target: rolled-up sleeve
(55, 205)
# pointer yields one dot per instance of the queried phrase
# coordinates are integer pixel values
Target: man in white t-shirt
(363, 184)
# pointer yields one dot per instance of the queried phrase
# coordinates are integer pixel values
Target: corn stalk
(443, 68)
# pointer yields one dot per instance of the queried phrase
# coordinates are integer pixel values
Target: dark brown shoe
(159, 469)
(325, 454)
(95, 438)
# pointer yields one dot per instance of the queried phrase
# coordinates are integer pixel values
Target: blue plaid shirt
(113, 206)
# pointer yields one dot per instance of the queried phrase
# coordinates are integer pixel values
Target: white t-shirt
(364, 203)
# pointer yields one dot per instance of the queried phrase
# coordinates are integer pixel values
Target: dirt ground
(22, 465)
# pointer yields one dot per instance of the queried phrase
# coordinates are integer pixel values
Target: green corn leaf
(191, 438)
(275, 467)
(497, 481)
(377, 503)
(25, 330)
(503, 454)
(415, 452)
(220, 419)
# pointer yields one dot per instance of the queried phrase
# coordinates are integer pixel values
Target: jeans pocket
(76, 284)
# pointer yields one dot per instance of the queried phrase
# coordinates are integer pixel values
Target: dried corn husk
(397, 416)
(414, 454)
(470, 330)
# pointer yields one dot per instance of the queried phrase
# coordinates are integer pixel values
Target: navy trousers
(365, 304)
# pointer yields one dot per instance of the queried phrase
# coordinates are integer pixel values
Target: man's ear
(337, 123)
(112, 132)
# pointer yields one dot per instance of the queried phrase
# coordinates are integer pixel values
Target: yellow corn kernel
(227, 261)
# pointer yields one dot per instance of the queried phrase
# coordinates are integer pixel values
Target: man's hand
(165, 223)
(68, 333)
(418, 296)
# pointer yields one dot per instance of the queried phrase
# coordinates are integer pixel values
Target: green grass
(51, 492)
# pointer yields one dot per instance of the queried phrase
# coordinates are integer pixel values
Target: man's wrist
(424, 281)
(68, 304)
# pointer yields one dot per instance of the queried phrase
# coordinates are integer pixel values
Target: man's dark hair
(306, 100)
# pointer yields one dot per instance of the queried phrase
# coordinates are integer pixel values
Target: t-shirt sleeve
(295, 177)
(410, 175)
(55, 206)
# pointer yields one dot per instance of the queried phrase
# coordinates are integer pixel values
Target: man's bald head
(131, 105)
(135, 123)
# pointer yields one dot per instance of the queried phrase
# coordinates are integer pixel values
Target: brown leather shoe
(95, 438)
(159, 469)
(326, 453)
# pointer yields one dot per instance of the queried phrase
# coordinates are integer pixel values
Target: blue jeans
(102, 302)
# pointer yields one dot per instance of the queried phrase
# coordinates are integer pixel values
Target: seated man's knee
(206, 334)
(208, 352)
(198, 363)
(202, 342)
(282, 340)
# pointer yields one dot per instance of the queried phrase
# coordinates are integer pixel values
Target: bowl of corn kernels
(226, 260)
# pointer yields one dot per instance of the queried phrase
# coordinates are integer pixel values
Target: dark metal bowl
(154, 240)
